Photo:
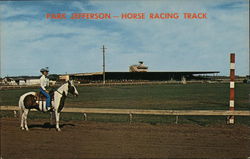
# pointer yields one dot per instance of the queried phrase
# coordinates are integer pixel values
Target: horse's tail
(21, 106)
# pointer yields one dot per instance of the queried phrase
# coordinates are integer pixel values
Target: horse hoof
(22, 128)
(58, 129)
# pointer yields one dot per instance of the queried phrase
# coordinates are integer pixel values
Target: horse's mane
(61, 87)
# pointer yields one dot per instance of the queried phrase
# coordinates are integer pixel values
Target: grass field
(164, 96)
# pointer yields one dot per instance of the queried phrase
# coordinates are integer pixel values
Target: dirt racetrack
(80, 139)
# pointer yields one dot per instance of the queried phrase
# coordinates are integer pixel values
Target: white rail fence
(132, 112)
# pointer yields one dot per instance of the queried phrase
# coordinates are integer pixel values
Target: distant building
(24, 80)
(64, 77)
(9, 81)
(21, 82)
(140, 76)
(136, 73)
(32, 81)
(138, 68)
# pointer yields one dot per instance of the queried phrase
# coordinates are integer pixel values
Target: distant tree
(54, 77)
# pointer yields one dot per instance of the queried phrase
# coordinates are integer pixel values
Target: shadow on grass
(48, 125)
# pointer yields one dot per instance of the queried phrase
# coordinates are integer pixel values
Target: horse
(30, 100)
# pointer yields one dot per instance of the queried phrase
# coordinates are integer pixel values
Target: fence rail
(148, 112)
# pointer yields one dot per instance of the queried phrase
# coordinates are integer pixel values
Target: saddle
(31, 101)
(40, 97)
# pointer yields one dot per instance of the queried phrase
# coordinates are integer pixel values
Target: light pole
(103, 73)
(249, 67)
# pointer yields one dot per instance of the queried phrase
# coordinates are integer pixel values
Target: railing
(131, 112)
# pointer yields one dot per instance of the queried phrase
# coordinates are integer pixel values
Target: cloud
(7, 11)
(74, 46)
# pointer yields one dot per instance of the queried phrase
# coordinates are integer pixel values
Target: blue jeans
(47, 97)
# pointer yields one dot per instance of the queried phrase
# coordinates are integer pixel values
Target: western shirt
(44, 82)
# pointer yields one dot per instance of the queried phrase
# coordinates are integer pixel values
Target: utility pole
(249, 67)
(103, 51)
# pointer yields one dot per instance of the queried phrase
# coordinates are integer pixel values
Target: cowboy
(44, 83)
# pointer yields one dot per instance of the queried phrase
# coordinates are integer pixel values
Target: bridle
(63, 93)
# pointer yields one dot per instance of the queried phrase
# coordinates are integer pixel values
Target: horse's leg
(57, 115)
(25, 114)
(51, 118)
(22, 119)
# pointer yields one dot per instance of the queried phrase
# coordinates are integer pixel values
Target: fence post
(85, 117)
(130, 118)
(15, 114)
(176, 119)
(51, 118)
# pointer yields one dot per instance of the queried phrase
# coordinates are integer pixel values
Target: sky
(30, 42)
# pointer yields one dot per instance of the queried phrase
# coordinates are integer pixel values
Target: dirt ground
(80, 139)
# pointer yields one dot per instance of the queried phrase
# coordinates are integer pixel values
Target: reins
(59, 92)
(62, 94)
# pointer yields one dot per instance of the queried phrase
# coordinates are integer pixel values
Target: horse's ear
(69, 82)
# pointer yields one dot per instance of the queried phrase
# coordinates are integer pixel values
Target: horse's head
(72, 89)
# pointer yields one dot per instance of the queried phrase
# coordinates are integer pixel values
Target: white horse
(29, 101)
